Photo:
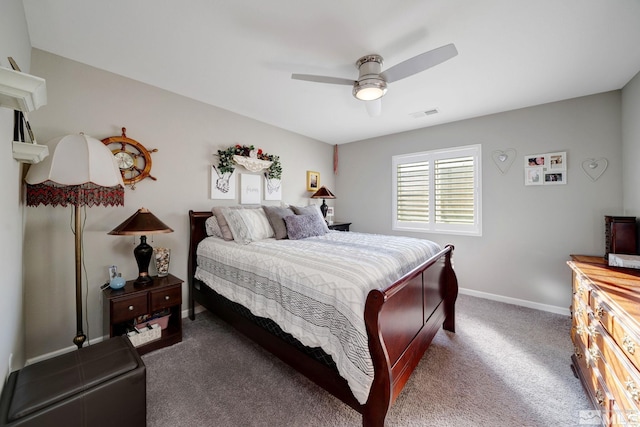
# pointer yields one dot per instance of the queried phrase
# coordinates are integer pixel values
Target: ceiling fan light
(369, 89)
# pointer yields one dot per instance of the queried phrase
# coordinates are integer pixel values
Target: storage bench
(100, 385)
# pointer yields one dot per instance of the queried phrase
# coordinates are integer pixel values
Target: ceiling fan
(371, 85)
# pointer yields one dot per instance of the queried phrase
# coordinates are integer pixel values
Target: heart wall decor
(503, 159)
(594, 168)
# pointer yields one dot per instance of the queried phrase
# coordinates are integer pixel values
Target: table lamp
(140, 224)
(323, 193)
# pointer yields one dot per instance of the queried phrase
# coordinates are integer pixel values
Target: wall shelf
(20, 91)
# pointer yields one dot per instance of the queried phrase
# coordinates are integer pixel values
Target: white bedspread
(315, 288)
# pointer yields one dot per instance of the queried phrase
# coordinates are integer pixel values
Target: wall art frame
(313, 181)
(545, 169)
(223, 185)
(250, 189)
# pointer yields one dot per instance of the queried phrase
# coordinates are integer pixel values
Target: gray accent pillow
(310, 210)
(275, 215)
(303, 226)
(212, 227)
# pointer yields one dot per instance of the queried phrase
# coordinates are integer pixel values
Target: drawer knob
(599, 311)
(577, 352)
(600, 397)
(130, 308)
(631, 388)
(592, 331)
(166, 297)
(628, 343)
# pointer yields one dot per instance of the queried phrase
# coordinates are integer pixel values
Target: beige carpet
(505, 366)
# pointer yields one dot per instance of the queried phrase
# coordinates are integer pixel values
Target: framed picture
(545, 169)
(557, 161)
(223, 186)
(313, 181)
(330, 211)
(272, 189)
(533, 176)
(250, 193)
(555, 177)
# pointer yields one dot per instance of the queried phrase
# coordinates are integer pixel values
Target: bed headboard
(197, 232)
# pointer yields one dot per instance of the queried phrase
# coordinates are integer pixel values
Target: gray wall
(186, 134)
(14, 42)
(631, 146)
(528, 231)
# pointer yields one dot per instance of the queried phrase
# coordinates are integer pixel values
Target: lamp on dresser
(140, 224)
(81, 172)
(323, 193)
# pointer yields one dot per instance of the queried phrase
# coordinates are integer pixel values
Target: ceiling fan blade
(419, 63)
(374, 108)
(323, 79)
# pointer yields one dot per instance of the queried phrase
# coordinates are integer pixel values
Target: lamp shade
(323, 193)
(82, 171)
(141, 223)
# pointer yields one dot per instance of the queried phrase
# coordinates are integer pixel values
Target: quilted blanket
(314, 288)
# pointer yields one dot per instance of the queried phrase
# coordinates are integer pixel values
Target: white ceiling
(239, 54)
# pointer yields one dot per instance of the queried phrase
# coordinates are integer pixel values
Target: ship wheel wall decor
(133, 159)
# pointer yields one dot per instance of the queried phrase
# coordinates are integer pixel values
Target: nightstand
(340, 226)
(122, 306)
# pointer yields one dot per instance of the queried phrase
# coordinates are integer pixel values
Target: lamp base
(323, 208)
(79, 339)
(143, 281)
(143, 253)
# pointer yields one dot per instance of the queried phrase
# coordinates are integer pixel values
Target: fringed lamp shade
(80, 172)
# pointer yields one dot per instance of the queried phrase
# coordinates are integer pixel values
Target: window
(438, 191)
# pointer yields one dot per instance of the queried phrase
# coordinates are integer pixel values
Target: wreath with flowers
(227, 164)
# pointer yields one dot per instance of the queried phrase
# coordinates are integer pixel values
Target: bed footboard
(401, 321)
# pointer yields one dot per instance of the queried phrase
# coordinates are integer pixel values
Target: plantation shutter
(438, 191)
(413, 192)
(454, 190)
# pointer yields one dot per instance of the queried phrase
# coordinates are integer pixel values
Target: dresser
(605, 331)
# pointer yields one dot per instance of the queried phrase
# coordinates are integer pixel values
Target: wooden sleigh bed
(401, 321)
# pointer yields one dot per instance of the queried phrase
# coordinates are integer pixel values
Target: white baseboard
(516, 301)
(471, 292)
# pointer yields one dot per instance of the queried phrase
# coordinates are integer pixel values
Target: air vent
(420, 114)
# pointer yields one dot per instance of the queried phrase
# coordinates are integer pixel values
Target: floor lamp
(80, 172)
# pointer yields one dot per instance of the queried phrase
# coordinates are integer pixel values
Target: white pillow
(248, 225)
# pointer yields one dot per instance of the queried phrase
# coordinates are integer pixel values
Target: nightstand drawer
(167, 297)
(124, 309)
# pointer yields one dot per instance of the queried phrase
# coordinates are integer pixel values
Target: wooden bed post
(375, 410)
(451, 293)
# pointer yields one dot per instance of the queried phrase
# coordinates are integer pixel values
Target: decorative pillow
(212, 228)
(275, 215)
(247, 225)
(303, 226)
(222, 221)
(309, 210)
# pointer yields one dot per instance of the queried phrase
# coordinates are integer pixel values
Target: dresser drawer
(581, 288)
(601, 310)
(167, 297)
(124, 309)
(612, 363)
